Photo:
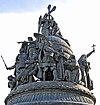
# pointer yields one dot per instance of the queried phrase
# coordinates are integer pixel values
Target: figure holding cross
(46, 22)
(84, 68)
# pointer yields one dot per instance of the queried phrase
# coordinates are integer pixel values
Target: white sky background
(79, 22)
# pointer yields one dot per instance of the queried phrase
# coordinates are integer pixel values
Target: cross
(50, 10)
(93, 47)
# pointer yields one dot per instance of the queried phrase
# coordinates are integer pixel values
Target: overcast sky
(79, 22)
(21, 5)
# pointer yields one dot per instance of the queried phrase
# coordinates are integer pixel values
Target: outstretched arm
(90, 53)
(9, 68)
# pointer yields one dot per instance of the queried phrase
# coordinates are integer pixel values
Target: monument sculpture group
(46, 71)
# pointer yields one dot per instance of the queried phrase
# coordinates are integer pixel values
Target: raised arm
(91, 51)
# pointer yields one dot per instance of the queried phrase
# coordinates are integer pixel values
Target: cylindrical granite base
(50, 93)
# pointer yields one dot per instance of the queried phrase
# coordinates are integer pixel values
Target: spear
(4, 61)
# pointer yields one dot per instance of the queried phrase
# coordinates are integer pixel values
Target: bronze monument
(46, 71)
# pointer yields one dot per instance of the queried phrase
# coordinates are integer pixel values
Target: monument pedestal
(50, 93)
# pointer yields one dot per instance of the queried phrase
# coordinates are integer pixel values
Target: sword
(4, 61)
